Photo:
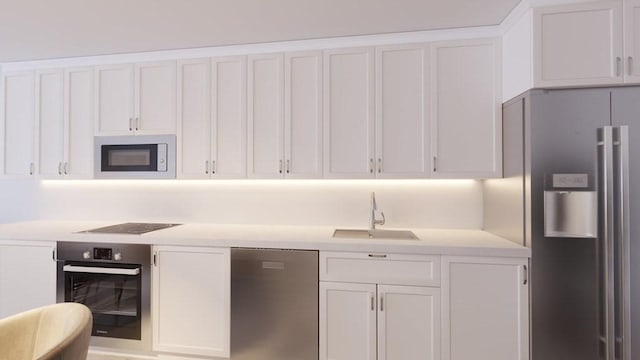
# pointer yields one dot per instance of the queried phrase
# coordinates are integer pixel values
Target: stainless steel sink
(374, 234)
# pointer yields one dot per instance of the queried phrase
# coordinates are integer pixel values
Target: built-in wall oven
(113, 280)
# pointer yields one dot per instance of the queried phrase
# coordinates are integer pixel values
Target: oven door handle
(100, 270)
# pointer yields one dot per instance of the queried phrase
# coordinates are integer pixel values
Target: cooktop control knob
(117, 256)
(86, 255)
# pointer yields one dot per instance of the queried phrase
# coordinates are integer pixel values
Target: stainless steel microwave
(135, 157)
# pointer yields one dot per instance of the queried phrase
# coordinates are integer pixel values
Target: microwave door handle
(100, 270)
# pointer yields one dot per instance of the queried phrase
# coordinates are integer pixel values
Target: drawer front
(380, 268)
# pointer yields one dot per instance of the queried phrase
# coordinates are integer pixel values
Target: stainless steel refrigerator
(585, 284)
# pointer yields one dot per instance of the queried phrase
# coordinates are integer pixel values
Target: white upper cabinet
(136, 99)
(349, 113)
(64, 114)
(212, 118)
(265, 116)
(466, 110)
(578, 44)
(402, 110)
(632, 40)
(303, 114)
(229, 117)
(18, 123)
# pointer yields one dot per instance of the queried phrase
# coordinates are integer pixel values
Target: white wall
(406, 203)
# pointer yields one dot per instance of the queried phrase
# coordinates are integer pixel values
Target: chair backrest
(58, 331)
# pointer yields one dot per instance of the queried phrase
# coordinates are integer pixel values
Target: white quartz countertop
(431, 241)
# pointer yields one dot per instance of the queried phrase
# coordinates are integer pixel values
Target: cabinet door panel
(348, 113)
(34, 285)
(632, 40)
(408, 323)
(197, 323)
(19, 122)
(485, 312)
(79, 123)
(156, 98)
(347, 321)
(194, 118)
(466, 109)
(265, 87)
(402, 102)
(229, 104)
(577, 44)
(50, 113)
(303, 115)
(114, 99)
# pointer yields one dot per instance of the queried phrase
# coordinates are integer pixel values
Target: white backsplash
(344, 203)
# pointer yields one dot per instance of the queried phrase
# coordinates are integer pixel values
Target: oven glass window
(139, 157)
(114, 300)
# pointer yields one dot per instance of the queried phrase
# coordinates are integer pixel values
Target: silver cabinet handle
(630, 65)
(130, 124)
(280, 167)
(288, 165)
(371, 165)
(525, 276)
(66, 168)
(206, 166)
(32, 168)
(381, 302)
(60, 168)
(373, 303)
(379, 165)
(435, 164)
(155, 259)
(618, 63)
(137, 123)
(213, 167)
(378, 256)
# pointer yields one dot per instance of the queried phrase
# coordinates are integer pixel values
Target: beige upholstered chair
(52, 332)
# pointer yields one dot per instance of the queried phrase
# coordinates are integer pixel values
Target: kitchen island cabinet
(191, 295)
(27, 275)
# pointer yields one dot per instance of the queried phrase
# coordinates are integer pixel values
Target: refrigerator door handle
(606, 245)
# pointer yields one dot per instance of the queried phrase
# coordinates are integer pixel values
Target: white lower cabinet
(485, 314)
(369, 321)
(35, 284)
(191, 301)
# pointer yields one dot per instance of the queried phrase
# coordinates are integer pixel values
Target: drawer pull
(378, 256)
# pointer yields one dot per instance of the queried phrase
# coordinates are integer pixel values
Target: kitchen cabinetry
(466, 110)
(27, 276)
(212, 118)
(64, 109)
(632, 40)
(578, 44)
(18, 123)
(484, 309)
(285, 115)
(136, 99)
(191, 300)
(402, 112)
(363, 317)
(348, 108)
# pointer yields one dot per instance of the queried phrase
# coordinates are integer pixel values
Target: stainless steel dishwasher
(274, 304)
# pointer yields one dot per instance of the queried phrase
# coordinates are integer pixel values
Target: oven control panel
(102, 253)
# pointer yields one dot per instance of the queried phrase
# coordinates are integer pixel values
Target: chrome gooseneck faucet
(374, 207)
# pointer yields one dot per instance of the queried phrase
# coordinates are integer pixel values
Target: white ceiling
(45, 29)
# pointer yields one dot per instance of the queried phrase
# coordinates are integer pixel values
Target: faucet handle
(381, 222)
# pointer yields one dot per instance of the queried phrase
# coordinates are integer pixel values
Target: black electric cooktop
(130, 228)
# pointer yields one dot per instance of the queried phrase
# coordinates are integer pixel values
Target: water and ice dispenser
(570, 206)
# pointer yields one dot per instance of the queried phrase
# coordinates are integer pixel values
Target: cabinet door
(266, 124)
(347, 321)
(191, 300)
(79, 123)
(408, 323)
(50, 115)
(348, 113)
(402, 108)
(19, 122)
(466, 109)
(303, 115)
(194, 119)
(632, 40)
(114, 99)
(155, 94)
(229, 103)
(485, 309)
(27, 277)
(578, 44)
